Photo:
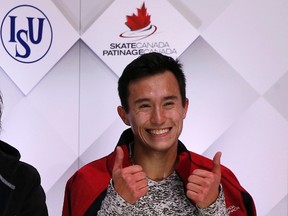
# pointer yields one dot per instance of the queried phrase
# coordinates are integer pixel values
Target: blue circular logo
(26, 34)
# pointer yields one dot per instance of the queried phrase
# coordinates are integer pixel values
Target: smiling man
(151, 172)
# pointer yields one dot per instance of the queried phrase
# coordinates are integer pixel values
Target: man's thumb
(118, 159)
(216, 163)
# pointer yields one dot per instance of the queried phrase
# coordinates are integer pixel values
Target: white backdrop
(237, 83)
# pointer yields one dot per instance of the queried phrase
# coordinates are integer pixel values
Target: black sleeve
(29, 196)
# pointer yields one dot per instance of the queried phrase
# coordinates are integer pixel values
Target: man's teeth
(158, 132)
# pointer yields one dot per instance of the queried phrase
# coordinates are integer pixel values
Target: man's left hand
(203, 185)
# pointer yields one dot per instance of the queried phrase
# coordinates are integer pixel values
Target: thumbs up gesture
(129, 182)
(203, 185)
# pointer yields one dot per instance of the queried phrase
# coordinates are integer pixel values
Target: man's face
(155, 112)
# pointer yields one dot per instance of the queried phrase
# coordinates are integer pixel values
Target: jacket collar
(9, 159)
(184, 158)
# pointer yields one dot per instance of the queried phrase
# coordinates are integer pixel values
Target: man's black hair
(148, 65)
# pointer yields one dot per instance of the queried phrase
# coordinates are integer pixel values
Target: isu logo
(140, 25)
(26, 34)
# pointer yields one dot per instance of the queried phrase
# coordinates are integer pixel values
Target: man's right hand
(129, 182)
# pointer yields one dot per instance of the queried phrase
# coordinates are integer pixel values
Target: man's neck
(156, 165)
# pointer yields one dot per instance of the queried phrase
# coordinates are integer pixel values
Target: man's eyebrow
(172, 97)
(143, 100)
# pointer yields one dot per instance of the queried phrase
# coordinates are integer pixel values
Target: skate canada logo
(26, 34)
(140, 25)
(139, 37)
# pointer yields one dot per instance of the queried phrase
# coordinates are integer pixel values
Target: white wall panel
(217, 94)
(97, 96)
(249, 40)
(249, 148)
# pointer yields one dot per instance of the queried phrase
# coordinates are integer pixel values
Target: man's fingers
(119, 159)
(216, 163)
(203, 185)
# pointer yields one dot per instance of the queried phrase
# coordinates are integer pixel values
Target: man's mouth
(158, 131)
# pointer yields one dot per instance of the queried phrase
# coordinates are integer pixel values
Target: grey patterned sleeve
(218, 208)
(114, 204)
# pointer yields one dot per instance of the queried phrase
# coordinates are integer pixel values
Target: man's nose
(158, 116)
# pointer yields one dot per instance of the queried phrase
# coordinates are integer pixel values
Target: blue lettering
(23, 43)
(31, 30)
(12, 29)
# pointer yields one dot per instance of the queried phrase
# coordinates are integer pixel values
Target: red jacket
(86, 189)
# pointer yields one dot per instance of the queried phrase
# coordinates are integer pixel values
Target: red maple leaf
(140, 21)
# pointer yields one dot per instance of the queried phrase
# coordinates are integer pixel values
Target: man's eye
(144, 106)
(170, 103)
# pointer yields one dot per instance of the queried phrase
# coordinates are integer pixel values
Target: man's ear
(186, 107)
(123, 115)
